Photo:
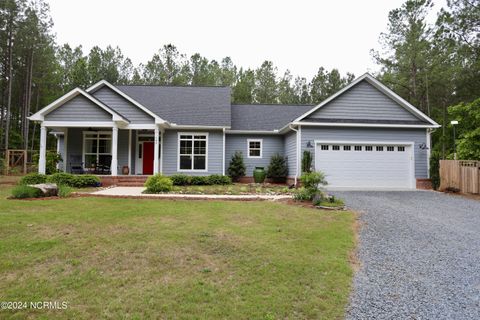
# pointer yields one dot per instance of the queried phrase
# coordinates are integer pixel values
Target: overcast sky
(299, 35)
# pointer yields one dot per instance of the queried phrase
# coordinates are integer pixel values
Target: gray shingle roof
(265, 117)
(205, 106)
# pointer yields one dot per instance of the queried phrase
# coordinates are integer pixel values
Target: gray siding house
(364, 136)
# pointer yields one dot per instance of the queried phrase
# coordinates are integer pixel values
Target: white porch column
(162, 131)
(114, 164)
(43, 150)
(155, 150)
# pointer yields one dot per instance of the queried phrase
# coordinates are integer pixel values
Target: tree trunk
(444, 132)
(28, 99)
(9, 85)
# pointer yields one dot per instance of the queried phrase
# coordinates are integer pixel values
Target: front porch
(106, 152)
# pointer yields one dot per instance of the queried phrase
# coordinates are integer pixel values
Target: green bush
(61, 178)
(84, 180)
(158, 183)
(237, 168)
(64, 191)
(307, 161)
(277, 170)
(199, 181)
(33, 178)
(313, 180)
(52, 158)
(180, 179)
(302, 194)
(23, 191)
(76, 181)
(435, 169)
(218, 179)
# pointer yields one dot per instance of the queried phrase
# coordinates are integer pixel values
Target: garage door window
(324, 147)
(358, 148)
(379, 148)
(401, 149)
(390, 148)
(336, 148)
(347, 148)
(368, 148)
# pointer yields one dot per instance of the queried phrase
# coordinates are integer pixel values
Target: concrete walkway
(137, 192)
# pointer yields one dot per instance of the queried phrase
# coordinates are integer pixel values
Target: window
(347, 148)
(358, 148)
(254, 148)
(336, 148)
(324, 147)
(379, 148)
(368, 148)
(401, 149)
(390, 148)
(97, 149)
(192, 151)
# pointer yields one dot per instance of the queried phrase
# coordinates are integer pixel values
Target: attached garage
(367, 164)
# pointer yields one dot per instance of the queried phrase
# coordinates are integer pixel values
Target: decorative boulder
(48, 189)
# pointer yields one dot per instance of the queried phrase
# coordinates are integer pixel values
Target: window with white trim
(368, 148)
(192, 152)
(335, 148)
(254, 148)
(347, 148)
(390, 148)
(400, 148)
(97, 148)
(379, 148)
(358, 148)
(324, 147)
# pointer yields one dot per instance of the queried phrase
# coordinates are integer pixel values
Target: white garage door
(365, 165)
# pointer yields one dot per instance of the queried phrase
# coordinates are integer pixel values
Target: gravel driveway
(420, 256)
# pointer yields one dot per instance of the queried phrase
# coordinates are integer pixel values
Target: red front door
(148, 157)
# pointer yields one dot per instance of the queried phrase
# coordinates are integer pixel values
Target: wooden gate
(462, 175)
(16, 161)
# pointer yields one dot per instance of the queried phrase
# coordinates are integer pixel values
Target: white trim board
(363, 125)
(381, 87)
(248, 148)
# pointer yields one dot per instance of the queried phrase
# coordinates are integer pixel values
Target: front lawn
(137, 258)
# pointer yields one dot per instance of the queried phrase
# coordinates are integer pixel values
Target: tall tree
(266, 83)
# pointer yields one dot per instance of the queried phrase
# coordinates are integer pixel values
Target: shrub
(218, 179)
(52, 158)
(23, 191)
(199, 181)
(237, 168)
(277, 170)
(76, 181)
(313, 180)
(435, 169)
(180, 180)
(33, 178)
(84, 180)
(302, 194)
(158, 183)
(64, 191)
(61, 178)
(307, 161)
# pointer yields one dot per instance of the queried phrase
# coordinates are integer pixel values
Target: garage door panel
(365, 169)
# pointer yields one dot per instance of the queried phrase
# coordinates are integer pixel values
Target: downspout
(429, 149)
(297, 151)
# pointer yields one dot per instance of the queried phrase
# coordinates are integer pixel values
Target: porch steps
(131, 181)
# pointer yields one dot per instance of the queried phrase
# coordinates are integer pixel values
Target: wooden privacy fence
(463, 175)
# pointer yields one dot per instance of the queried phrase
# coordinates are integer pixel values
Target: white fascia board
(141, 126)
(364, 125)
(380, 86)
(97, 85)
(78, 124)
(176, 126)
(251, 132)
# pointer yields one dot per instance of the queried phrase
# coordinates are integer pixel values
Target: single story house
(364, 136)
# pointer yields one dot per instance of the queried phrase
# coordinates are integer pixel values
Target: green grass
(234, 189)
(149, 259)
